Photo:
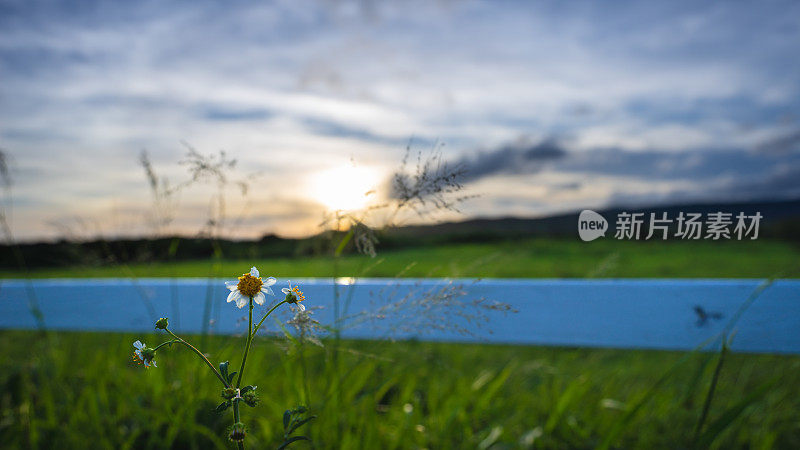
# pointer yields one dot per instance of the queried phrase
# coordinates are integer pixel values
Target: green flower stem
(236, 419)
(200, 354)
(165, 343)
(255, 330)
(249, 340)
(251, 332)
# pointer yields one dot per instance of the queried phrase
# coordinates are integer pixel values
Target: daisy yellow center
(298, 293)
(249, 285)
(137, 359)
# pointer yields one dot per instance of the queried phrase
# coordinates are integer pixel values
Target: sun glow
(344, 188)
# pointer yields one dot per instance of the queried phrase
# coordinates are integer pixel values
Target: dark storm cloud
(658, 165)
(510, 159)
(714, 174)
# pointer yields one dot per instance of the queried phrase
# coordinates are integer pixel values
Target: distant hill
(781, 220)
(778, 218)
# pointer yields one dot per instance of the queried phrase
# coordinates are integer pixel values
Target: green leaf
(343, 244)
(246, 389)
(711, 389)
(286, 333)
(223, 406)
(623, 422)
(287, 415)
(564, 400)
(223, 369)
(489, 390)
(695, 383)
(300, 423)
(291, 440)
(230, 377)
(173, 247)
(719, 425)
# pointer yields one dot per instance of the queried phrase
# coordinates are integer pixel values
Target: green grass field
(525, 258)
(80, 390)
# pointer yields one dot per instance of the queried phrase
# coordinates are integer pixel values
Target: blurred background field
(80, 390)
(527, 257)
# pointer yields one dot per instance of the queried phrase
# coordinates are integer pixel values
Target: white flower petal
(301, 307)
(231, 285)
(146, 363)
(138, 353)
(154, 363)
(286, 290)
(138, 344)
(267, 289)
(234, 297)
(254, 272)
(270, 281)
(259, 298)
(241, 301)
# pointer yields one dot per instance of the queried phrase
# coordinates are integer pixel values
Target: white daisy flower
(140, 355)
(249, 285)
(294, 296)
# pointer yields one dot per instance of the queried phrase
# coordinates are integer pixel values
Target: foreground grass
(79, 390)
(533, 258)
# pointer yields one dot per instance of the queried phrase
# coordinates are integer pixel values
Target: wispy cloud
(298, 86)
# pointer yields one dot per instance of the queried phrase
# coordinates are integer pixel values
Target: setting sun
(345, 187)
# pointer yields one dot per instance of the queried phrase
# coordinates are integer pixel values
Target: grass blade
(711, 388)
(719, 425)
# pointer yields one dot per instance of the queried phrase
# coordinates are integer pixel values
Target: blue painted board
(641, 313)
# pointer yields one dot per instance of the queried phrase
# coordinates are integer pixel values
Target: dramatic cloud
(293, 88)
(655, 176)
(517, 158)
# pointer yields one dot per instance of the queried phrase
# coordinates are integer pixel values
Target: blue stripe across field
(656, 314)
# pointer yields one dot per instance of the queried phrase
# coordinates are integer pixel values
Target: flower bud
(237, 432)
(162, 323)
(148, 354)
(251, 398)
(229, 393)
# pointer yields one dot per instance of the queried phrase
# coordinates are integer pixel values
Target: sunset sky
(551, 107)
